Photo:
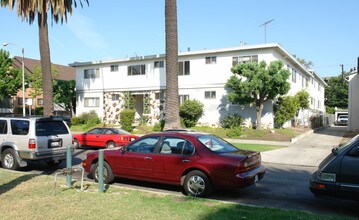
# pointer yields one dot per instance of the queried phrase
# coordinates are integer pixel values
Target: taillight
(249, 163)
(32, 144)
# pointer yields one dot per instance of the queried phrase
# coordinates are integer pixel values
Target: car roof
(179, 133)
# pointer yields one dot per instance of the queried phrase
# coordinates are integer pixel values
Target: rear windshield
(47, 128)
(217, 144)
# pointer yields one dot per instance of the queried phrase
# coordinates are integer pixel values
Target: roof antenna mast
(265, 29)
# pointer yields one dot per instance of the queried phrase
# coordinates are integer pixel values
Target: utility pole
(342, 71)
(265, 29)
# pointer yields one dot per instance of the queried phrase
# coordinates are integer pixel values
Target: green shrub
(39, 110)
(143, 120)
(88, 118)
(232, 121)
(159, 126)
(191, 111)
(127, 117)
(77, 121)
(285, 109)
(235, 132)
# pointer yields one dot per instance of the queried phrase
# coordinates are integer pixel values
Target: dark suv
(25, 139)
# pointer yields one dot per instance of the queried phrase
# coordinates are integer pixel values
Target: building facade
(102, 85)
(353, 110)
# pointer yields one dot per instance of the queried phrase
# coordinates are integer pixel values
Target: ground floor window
(92, 102)
(183, 98)
(210, 94)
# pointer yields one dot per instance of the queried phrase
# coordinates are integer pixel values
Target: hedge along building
(102, 85)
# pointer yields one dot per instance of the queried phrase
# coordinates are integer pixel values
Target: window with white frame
(40, 102)
(136, 70)
(210, 94)
(91, 73)
(159, 64)
(244, 59)
(319, 104)
(211, 60)
(183, 68)
(114, 68)
(92, 102)
(115, 97)
(312, 101)
(319, 88)
(183, 98)
(294, 75)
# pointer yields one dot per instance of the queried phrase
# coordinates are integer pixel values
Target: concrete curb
(305, 134)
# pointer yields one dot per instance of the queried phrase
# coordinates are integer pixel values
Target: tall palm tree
(172, 99)
(27, 10)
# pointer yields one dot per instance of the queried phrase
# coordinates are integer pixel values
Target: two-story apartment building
(101, 85)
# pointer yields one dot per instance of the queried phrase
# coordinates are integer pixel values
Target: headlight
(330, 177)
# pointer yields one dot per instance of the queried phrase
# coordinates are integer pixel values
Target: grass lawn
(257, 147)
(29, 196)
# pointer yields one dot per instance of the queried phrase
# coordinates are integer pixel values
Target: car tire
(110, 144)
(107, 173)
(8, 160)
(77, 144)
(197, 184)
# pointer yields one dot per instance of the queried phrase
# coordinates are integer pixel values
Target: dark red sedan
(104, 138)
(196, 161)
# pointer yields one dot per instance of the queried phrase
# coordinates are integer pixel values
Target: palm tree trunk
(45, 64)
(172, 100)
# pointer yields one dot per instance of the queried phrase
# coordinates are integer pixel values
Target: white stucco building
(101, 85)
(353, 110)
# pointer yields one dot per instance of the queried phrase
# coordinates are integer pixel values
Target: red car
(103, 137)
(196, 161)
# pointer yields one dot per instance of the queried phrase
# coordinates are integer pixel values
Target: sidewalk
(308, 151)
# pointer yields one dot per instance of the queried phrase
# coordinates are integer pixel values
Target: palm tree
(27, 10)
(172, 100)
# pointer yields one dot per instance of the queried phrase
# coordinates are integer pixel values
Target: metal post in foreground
(100, 171)
(69, 165)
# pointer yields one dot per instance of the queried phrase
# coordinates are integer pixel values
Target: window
(114, 68)
(173, 145)
(146, 145)
(136, 70)
(92, 102)
(244, 59)
(183, 68)
(306, 82)
(47, 128)
(19, 127)
(157, 95)
(40, 102)
(91, 73)
(312, 101)
(183, 98)
(6, 103)
(159, 64)
(115, 97)
(319, 88)
(319, 104)
(294, 75)
(19, 101)
(3, 127)
(210, 94)
(211, 60)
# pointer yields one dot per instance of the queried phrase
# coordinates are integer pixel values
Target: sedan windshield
(217, 144)
(340, 149)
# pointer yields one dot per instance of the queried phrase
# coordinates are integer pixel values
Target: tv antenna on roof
(265, 29)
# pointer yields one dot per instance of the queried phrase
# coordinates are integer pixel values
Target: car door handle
(148, 158)
(185, 161)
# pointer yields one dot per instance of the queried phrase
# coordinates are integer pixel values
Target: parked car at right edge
(338, 173)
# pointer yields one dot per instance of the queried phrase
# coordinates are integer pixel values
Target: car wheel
(77, 144)
(110, 144)
(53, 163)
(108, 176)
(8, 160)
(197, 184)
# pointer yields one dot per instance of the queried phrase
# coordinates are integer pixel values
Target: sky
(325, 32)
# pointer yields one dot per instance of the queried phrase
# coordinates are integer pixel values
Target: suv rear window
(19, 127)
(46, 128)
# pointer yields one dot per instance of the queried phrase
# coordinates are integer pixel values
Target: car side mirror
(354, 152)
(123, 150)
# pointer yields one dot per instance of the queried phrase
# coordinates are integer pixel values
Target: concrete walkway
(308, 151)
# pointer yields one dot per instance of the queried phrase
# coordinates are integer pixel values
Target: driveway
(308, 151)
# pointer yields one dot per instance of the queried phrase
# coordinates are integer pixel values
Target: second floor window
(211, 60)
(114, 68)
(294, 75)
(136, 70)
(210, 94)
(183, 68)
(92, 102)
(91, 73)
(244, 59)
(159, 64)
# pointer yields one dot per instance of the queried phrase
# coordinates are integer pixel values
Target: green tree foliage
(336, 92)
(285, 109)
(256, 83)
(307, 64)
(232, 121)
(191, 111)
(10, 78)
(129, 101)
(302, 99)
(65, 94)
(36, 80)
